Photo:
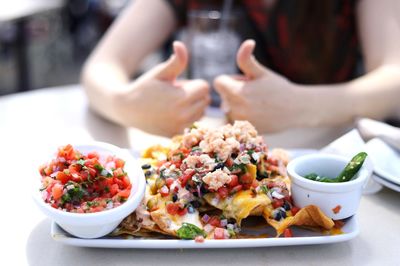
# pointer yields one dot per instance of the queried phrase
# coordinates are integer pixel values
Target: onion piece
(205, 218)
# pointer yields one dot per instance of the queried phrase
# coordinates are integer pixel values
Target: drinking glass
(213, 43)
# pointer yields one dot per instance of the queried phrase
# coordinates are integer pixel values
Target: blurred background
(44, 43)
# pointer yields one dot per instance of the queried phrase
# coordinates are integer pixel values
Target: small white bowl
(94, 225)
(336, 200)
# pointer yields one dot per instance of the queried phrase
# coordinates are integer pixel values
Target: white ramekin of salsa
(315, 182)
(89, 189)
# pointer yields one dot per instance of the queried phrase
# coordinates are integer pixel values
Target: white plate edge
(58, 235)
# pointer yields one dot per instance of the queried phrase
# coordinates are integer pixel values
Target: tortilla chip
(156, 152)
(308, 216)
(169, 224)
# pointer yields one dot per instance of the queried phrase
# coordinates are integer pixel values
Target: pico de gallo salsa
(79, 183)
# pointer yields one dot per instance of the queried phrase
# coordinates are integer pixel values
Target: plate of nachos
(218, 188)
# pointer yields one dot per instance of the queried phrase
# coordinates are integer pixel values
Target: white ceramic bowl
(336, 200)
(94, 225)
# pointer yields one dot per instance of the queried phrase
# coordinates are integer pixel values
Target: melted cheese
(177, 221)
(241, 205)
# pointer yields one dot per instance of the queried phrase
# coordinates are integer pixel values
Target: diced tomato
(93, 190)
(288, 199)
(61, 176)
(199, 239)
(182, 212)
(223, 192)
(169, 181)
(236, 189)
(246, 178)
(93, 154)
(288, 232)
(294, 210)
(186, 176)
(126, 181)
(276, 203)
(84, 175)
(229, 162)
(273, 161)
(48, 170)
(67, 152)
(124, 193)
(91, 162)
(74, 168)
(92, 171)
(57, 191)
(119, 163)
(219, 233)
(118, 172)
(246, 186)
(254, 184)
(337, 209)
(234, 181)
(214, 221)
(172, 208)
(114, 189)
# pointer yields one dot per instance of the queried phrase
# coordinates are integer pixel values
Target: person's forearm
(375, 95)
(102, 82)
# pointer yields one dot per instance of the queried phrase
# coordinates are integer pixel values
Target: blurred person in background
(305, 74)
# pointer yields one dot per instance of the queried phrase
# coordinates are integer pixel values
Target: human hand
(266, 99)
(159, 103)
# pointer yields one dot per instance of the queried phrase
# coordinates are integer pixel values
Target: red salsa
(80, 183)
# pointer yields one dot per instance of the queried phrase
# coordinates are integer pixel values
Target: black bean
(234, 155)
(278, 216)
(283, 214)
(196, 204)
(287, 206)
(203, 189)
(146, 166)
(174, 197)
(219, 166)
(262, 175)
(231, 221)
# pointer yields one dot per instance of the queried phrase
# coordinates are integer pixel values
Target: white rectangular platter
(301, 237)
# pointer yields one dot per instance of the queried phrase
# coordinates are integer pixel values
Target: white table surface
(16, 9)
(33, 122)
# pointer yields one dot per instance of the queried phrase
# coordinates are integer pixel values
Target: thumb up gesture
(268, 100)
(161, 104)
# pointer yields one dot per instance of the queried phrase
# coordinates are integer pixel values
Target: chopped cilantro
(98, 167)
(190, 231)
(231, 232)
(81, 162)
(264, 189)
(196, 148)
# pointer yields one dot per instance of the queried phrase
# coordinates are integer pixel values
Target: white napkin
(349, 145)
(370, 129)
